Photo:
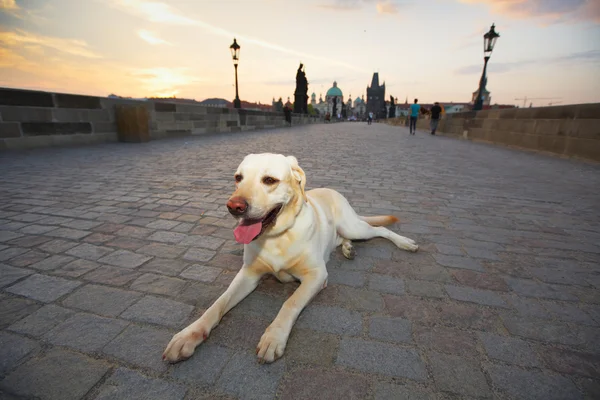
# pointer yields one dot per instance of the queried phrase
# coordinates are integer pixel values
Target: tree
(312, 110)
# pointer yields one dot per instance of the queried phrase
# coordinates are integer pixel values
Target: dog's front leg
(182, 345)
(273, 341)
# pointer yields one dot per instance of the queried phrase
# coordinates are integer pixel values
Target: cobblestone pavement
(106, 251)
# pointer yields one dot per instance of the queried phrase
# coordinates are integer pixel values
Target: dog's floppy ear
(298, 174)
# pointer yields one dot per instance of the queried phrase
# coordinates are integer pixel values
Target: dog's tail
(380, 220)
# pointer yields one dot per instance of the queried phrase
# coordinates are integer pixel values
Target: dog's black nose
(237, 206)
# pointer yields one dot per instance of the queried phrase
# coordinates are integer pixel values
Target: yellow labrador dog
(288, 233)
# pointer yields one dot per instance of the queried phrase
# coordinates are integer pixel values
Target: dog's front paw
(183, 344)
(272, 345)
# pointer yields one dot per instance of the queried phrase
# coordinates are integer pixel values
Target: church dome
(334, 91)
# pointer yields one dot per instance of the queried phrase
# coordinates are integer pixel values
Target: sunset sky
(430, 49)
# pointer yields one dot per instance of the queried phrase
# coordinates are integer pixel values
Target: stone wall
(570, 131)
(39, 119)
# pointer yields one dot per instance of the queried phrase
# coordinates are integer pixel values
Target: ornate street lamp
(235, 53)
(489, 41)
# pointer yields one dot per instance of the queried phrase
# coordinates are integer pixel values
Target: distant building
(376, 97)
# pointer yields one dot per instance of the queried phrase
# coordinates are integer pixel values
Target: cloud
(69, 46)
(164, 82)
(151, 38)
(592, 56)
(163, 13)
(382, 6)
(549, 10)
(8, 5)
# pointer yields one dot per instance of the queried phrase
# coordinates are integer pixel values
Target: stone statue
(392, 112)
(301, 93)
(334, 111)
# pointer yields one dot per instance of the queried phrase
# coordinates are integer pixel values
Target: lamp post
(235, 53)
(489, 41)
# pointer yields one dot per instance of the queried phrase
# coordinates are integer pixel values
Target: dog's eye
(267, 180)
(238, 178)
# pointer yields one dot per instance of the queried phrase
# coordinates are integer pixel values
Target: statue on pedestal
(301, 93)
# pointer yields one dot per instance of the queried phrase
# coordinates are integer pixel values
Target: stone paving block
(311, 347)
(360, 299)
(101, 300)
(532, 385)
(167, 237)
(458, 262)
(449, 250)
(358, 264)
(328, 319)
(68, 233)
(133, 232)
(391, 391)
(201, 273)
(159, 311)
(37, 229)
(386, 284)
(6, 236)
(447, 340)
(98, 238)
(44, 377)
(26, 259)
(11, 252)
(13, 349)
(381, 358)
(570, 362)
(457, 375)
(207, 242)
(479, 280)
(425, 289)
(484, 297)
(204, 367)
(244, 377)
(530, 288)
(41, 321)
(141, 346)
(131, 385)
(81, 224)
(237, 331)
(13, 309)
(201, 295)
(43, 288)
(76, 268)
(324, 384)
(126, 243)
(28, 241)
(550, 331)
(165, 266)
(568, 312)
(158, 284)
(52, 262)
(125, 259)
(10, 274)
(114, 276)
(199, 255)
(345, 277)
(396, 330)
(85, 332)
(57, 246)
(508, 349)
(89, 251)
(229, 261)
(162, 250)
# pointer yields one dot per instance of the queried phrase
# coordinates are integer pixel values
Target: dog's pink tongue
(245, 233)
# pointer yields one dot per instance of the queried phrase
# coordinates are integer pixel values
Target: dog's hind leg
(354, 227)
(348, 250)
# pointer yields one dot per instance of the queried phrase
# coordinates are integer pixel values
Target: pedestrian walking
(370, 120)
(414, 115)
(436, 112)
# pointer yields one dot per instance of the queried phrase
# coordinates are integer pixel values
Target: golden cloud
(20, 38)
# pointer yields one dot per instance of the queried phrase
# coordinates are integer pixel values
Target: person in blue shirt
(414, 114)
